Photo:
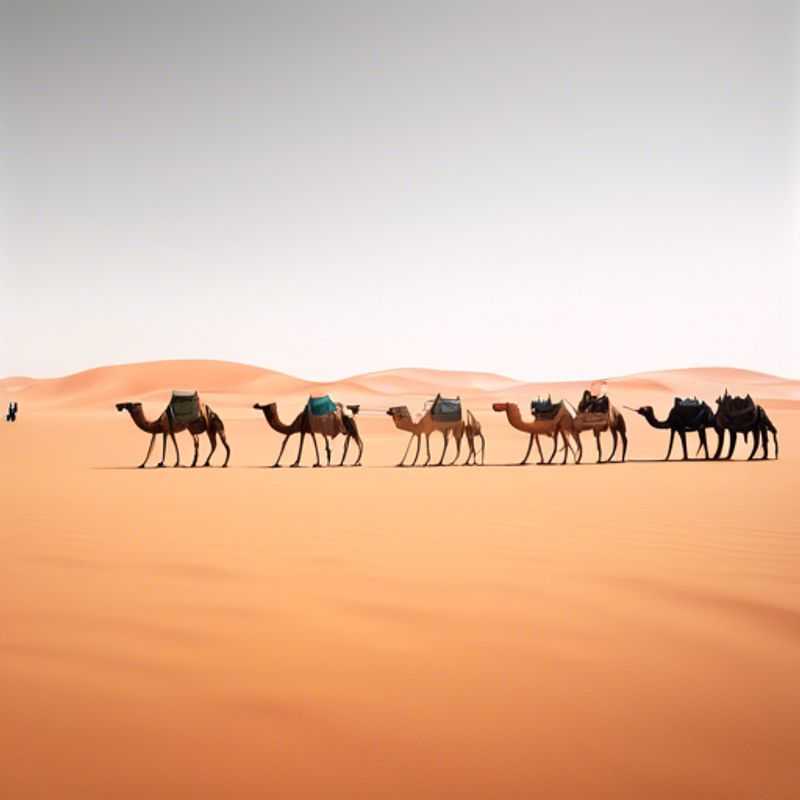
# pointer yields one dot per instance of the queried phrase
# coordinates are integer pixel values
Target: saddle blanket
(321, 406)
(446, 409)
(184, 407)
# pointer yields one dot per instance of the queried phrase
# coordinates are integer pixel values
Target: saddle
(688, 402)
(321, 406)
(446, 409)
(545, 409)
(592, 404)
(740, 410)
(184, 407)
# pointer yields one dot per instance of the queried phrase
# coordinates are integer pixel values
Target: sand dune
(560, 632)
(239, 384)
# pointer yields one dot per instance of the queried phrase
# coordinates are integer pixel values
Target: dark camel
(685, 416)
(306, 423)
(208, 422)
(743, 415)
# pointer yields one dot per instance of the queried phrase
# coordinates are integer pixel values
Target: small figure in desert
(319, 416)
(185, 412)
(687, 415)
(13, 409)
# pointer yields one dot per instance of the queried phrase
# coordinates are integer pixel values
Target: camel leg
(555, 448)
(428, 449)
(149, 450)
(316, 448)
(732, 447)
(344, 452)
(327, 448)
(567, 447)
(539, 448)
(226, 446)
(283, 447)
(756, 441)
(458, 449)
(720, 443)
(599, 448)
(360, 451)
(483, 449)
(624, 437)
(613, 443)
(212, 441)
(579, 444)
(446, 435)
(196, 441)
(682, 434)
(671, 442)
(764, 442)
(419, 444)
(177, 452)
(299, 449)
(528, 451)
(703, 440)
(410, 439)
(163, 450)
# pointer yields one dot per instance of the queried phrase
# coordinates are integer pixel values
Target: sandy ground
(558, 632)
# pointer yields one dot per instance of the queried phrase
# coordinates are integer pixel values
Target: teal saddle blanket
(320, 406)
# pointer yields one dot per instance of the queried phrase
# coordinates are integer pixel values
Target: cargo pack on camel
(445, 409)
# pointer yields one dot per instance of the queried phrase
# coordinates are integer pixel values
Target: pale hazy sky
(545, 190)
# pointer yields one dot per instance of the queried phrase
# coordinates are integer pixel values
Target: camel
(472, 429)
(559, 422)
(329, 425)
(684, 417)
(425, 425)
(596, 414)
(208, 422)
(743, 415)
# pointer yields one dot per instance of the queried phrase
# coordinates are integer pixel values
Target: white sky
(542, 190)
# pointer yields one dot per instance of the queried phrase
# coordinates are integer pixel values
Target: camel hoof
(276, 466)
(293, 466)
(141, 466)
(159, 466)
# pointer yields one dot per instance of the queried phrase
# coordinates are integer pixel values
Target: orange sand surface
(557, 632)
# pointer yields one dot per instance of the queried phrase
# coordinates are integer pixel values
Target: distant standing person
(12, 412)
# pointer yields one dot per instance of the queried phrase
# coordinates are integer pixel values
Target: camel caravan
(559, 421)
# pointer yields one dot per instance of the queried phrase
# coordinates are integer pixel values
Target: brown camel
(167, 425)
(596, 414)
(425, 425)
(559, 422)
(329, 425)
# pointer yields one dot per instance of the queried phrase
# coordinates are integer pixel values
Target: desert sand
(501, 632)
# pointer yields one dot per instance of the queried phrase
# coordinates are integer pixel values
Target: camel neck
(137, 415)
(515, 418)
(654, 422)
(271, 415)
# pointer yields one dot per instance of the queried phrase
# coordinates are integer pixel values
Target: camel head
(501, 407)
(399, 412)
(128, 406)
(644, 410)
(265, 406)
